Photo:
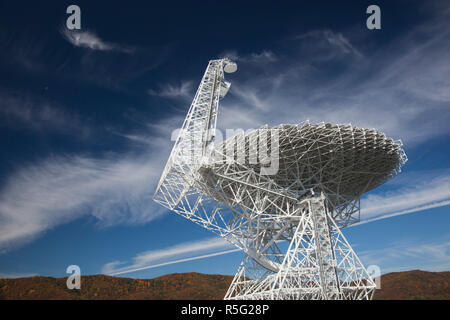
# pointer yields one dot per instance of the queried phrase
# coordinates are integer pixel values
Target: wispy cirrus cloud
(113, 188)
(88, 59)
(410, 254)
(332, 39)
(417, 195)
(116, 189)
(401, 88)
(89, 40)
(265, 56)
(23, 110)
(182, 90)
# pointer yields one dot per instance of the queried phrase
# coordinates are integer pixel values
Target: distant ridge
(172, 286)
(415, 284)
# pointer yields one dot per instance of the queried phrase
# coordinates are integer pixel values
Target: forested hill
(414, 284)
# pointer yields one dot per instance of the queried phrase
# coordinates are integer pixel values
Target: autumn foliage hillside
(414, 284)
(172, 286)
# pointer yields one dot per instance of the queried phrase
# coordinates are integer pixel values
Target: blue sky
(85, 124)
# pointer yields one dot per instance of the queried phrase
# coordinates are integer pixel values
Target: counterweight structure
(281, 194)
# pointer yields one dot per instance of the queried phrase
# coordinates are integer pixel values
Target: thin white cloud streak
(86, 39)
(154, 255)
(210, 255)
(420, 192)
(142, 260)
(416, 194)
(403, 212)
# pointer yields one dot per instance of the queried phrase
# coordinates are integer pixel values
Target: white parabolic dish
(340, 161)
(321, 171)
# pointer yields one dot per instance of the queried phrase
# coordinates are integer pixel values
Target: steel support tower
(288, 222)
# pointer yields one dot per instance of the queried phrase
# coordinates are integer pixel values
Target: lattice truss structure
(292, 184)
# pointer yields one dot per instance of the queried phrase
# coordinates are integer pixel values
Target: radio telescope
(281, 194)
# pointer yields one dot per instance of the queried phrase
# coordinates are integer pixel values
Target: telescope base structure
(318, 264)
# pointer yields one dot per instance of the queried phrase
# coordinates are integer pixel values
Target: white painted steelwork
(314, 189)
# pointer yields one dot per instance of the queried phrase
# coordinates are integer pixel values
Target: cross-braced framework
(292, 184)
(318, 264)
